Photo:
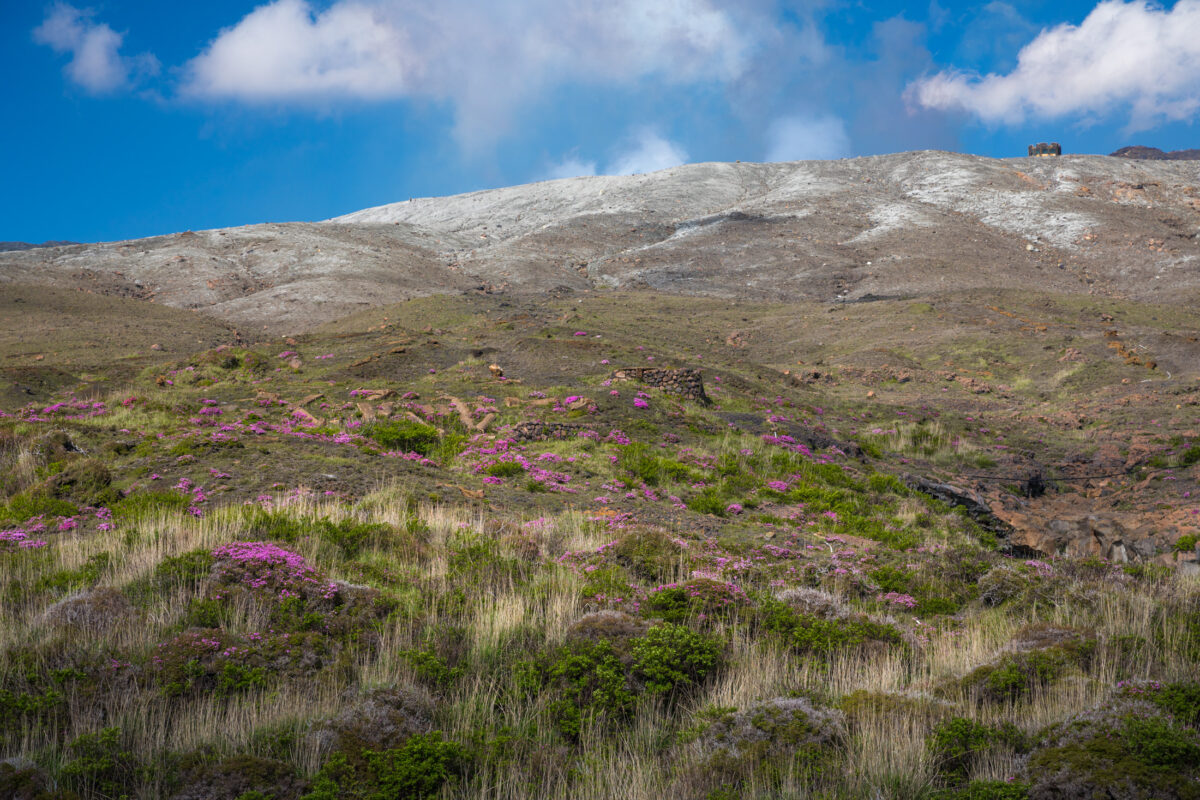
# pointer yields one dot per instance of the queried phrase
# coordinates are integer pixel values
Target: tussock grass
(885, 753)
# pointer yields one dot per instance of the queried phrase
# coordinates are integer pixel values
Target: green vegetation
(388, 573)
(403, 435)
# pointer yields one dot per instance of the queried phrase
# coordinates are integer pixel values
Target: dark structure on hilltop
(1143, 153)
(1045, 149)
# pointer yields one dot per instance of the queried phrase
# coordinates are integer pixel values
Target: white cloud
(281, 51)
(648, 152)
(1133, 56)
(485, 57)
(571, 167)
(96, 61)
(804, 138)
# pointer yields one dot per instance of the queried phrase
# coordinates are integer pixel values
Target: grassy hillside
(361, 564)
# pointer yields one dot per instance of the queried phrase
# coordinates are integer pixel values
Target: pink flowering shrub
(897, 599)
(18, 539)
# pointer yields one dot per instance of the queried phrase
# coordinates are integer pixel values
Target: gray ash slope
(899, 225)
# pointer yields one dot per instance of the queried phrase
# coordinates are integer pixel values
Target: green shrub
(887, 484)
(173, 572)
(276, 526)
(955, 742)
(183, 570)
(607, 583)
(415, 771)
(505, 469)
(984, 790)
(100, 766)
(892, 579)
(641, 463)
(1180, 700)
(1186, 544)
(586, 680)
(708, 501)
(649, 554)
(671, 657)
(405, 435)
(85, 481)
(700, 599)
(203, 612)
(477, 563)
(234, 678)
(1135, 757)
(85, 576)
(351, 536)
(25, 506)
(1190, 456)
(807, 633)
(431, 668)
(1017, 675)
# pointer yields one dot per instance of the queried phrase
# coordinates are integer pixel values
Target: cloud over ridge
(485, 58)
(1133, 56)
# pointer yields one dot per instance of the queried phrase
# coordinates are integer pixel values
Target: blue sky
(130, 118)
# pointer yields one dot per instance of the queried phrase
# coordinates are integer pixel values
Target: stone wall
(535, 430)
(686, 383)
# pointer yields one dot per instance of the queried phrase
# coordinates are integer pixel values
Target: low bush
(650, 554)
(984, 790)
(783, 735)
(1121, 753)
(1044, 653)
(670, 657)
(587, 682)
(807, 633)
(701, 600)
(954, 743)
(505, 469)
(417, 770)
(98, 765)
(24, 506)
(403, 435)
(596, 680)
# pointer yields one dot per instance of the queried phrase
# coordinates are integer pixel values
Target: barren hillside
(889, 226)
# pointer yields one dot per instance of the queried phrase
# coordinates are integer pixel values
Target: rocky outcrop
(975, 504)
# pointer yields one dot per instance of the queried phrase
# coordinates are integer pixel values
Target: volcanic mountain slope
(889, 226)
